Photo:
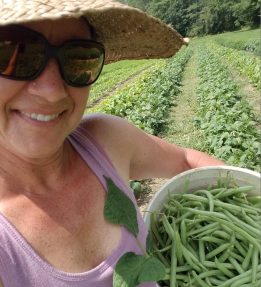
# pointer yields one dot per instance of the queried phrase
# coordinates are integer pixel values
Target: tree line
(202, 17)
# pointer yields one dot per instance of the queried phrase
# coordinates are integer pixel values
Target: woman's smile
(41, 117)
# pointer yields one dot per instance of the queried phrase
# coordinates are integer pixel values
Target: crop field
(205, 97)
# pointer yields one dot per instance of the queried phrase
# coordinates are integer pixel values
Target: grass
(241, 35)
(181, 129)
(244, 35)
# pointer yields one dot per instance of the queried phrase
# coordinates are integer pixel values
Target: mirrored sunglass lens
(21, 53)
(82, 64)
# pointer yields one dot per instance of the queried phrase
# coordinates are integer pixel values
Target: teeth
(41, 117)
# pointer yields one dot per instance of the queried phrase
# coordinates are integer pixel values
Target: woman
(54, 165)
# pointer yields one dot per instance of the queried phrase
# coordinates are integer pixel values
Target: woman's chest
(68, 230)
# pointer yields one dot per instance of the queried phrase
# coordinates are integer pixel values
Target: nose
(49, 85)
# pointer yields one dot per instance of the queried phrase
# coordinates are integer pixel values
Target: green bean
(211, 264)
(201, 249)
(233, 191)
(206, 232)
(164, 249)
(219, 203)
(204, 228)
(246, 279)
(155, 229)
(183, 216)
(257, 284)
(254, 265)
(255, 232)
(222, 258)
(236, 265)
(177, 244)
(212, 239)
(218, 250)
(192, 260)
(159, 255)
(208, 281)
(237, 256)
(240, 248)
(222, 234)
(228, 230)
(250, 221)
(180, 269)
(173, 264)
(244, 206)
(239, 230)
(183, 232)
(210, 199)
(222, 267)
(199, 281)
(239, 277)
(216, 281)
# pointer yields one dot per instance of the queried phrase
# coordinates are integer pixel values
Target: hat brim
(126, 32)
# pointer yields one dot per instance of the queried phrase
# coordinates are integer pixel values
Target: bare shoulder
(114, 134)
(110, 131)
(134, 153)
(97, 123)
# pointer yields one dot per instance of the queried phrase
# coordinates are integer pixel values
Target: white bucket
(200, 178)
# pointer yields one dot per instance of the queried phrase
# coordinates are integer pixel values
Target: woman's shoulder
(97, 122)
(110, 132)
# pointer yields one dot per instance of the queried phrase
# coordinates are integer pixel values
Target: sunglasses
(24, 54)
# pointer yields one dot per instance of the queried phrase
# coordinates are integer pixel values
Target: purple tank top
(21, 266)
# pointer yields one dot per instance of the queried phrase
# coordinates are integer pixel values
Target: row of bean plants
(224, 115)
(147, 101)
(246, 63)
(252, 45)
(115, 73)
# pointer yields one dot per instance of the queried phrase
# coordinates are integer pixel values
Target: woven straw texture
(126, 32)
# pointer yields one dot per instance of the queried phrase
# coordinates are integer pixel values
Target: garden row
(247, 64)
(146, 102)
(116, 73)
(252, 45)
(224, 115)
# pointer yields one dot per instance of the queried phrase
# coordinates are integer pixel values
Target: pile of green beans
(210, 237)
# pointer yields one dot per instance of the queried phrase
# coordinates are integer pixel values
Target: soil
(150, 187)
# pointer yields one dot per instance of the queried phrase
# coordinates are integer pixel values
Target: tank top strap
(95, 157)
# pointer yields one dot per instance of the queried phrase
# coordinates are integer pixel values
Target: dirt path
(181, 130)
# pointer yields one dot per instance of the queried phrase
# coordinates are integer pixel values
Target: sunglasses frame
(53, 51)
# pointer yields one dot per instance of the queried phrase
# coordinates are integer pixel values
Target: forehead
(58, 31)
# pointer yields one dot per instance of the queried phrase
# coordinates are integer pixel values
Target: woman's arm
(138, 155)
(1, 284)
(155, 157)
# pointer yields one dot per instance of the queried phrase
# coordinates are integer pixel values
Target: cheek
(8, 90)
(80, 97)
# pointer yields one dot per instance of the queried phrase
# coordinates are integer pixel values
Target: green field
(205, 97)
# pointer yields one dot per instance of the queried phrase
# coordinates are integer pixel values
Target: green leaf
(149, 242)
(119, 209)
(132, 269)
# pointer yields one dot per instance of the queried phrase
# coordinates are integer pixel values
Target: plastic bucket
(199, 178)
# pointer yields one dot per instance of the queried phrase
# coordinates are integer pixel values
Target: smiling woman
(64, 179)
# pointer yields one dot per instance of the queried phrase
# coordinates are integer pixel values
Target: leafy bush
(224, 116)
(247, 64)
(146, 102)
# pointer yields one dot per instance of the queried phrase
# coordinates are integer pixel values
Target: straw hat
(126, 32)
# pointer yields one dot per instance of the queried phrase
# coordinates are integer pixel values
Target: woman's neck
(41, 175)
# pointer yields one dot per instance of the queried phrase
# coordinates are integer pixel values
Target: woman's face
(36, 116)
